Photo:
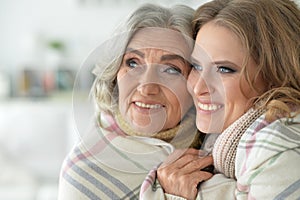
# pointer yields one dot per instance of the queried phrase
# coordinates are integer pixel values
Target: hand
(181, 173)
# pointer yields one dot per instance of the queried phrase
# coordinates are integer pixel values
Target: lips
(209, 106)
(148, 106)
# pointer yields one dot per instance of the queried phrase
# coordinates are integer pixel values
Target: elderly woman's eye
(173, 70)
(131, 63)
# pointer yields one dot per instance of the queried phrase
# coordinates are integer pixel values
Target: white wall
(24, 24)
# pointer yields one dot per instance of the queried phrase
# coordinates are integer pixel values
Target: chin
(208, 128)
(147, 131)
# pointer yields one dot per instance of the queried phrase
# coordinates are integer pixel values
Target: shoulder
(279, 134)
(263, 141)
(78, 157)
(264, 151)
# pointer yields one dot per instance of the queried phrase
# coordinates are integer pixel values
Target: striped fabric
(268, 160)
(109, 164)
(90, 180)
(267, 166)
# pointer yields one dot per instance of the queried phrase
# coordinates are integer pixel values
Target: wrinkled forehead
(162, 39)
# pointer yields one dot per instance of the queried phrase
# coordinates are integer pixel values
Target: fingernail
(202, 153)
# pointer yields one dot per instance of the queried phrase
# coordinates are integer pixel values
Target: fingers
(187, 167)
(182, 161)
(189, 161)
(191, 179)
(184, 185)
(192, 168)
(181, 173)
(183, 156)
(178, 153)
(197, 164)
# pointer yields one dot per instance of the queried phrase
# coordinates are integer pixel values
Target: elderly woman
(245, 85)
(144, 108)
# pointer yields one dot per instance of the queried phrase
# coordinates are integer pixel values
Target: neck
(185, 134)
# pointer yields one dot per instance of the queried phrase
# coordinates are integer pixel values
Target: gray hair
(104, 90)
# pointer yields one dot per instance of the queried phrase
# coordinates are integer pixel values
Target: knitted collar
(224, 151)
(184, 135)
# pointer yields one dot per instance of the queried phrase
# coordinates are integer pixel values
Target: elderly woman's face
(152, 81)
(216, 81)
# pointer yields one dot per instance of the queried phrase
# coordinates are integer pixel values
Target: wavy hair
(270, 32)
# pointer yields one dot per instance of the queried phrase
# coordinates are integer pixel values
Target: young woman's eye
(131, 63)
(225, 70)
(197, 67)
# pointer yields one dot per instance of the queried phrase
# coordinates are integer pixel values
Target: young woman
(245, 85)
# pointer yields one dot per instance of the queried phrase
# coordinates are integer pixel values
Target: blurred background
(43, 44)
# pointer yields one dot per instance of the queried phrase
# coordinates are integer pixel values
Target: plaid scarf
(108, 163)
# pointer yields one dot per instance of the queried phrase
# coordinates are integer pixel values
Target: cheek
(173, 112)
(187, 102)
(122, 96)
(233, 97)
(119, 84)
(180, 100)
(236, 103)
(122, 71)
(233, 93)
(190, 85)
(126, 87)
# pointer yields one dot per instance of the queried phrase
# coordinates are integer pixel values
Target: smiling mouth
(209, 107)
(148, 106)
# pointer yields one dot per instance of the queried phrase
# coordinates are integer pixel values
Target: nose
(201, 84)
(149, 81)
(149, 89)
(200, 87)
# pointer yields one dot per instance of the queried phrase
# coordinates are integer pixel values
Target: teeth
(209, 107)
(150, 106)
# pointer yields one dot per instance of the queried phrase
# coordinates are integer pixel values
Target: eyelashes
(171, 69)
(225, 70)
(131, 63)
(168, 68)
(220, 69)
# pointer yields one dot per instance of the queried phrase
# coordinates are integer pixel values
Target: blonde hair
(270, 32)
(104, 90)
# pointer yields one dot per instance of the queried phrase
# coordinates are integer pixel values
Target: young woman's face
(152, 78)
(216, 81)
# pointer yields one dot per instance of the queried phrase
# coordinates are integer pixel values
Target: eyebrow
(226, 62)
(172, 57)
(131, 50)
(163, 58)
(219, 62)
